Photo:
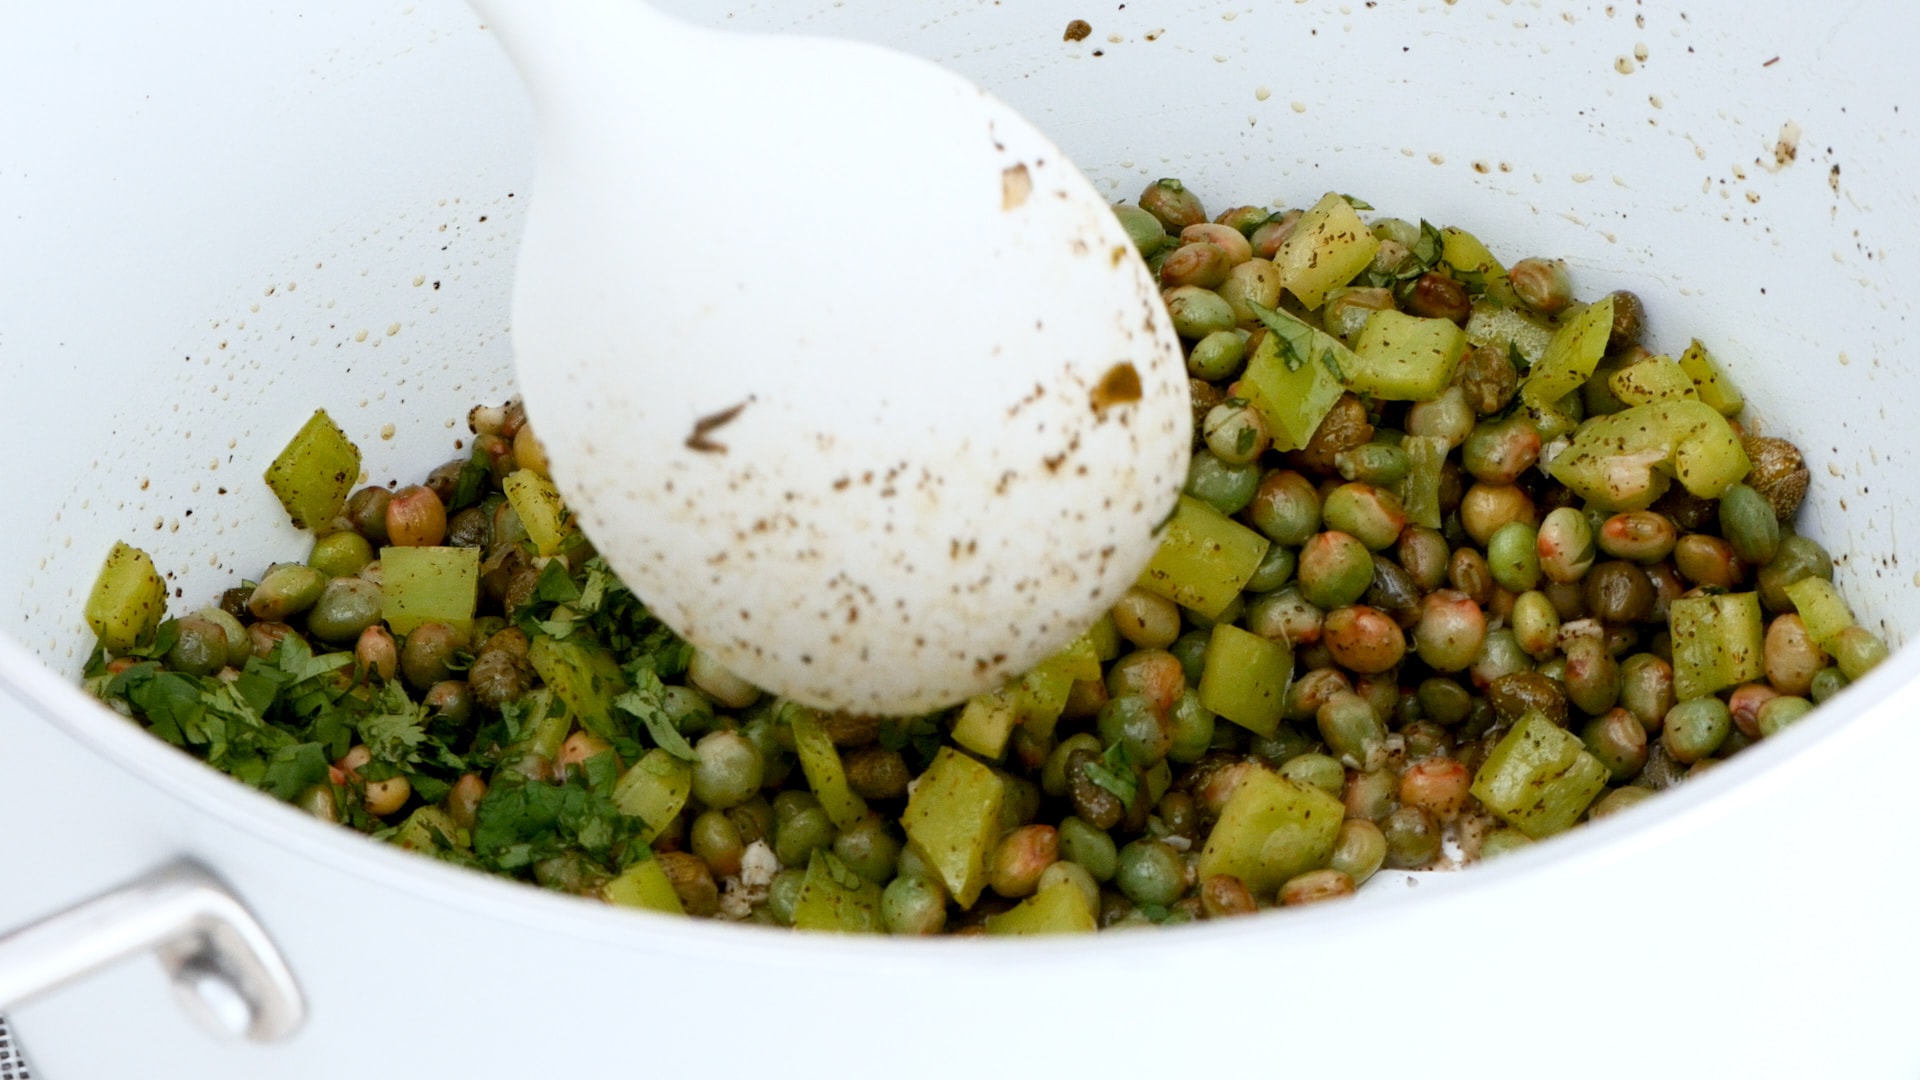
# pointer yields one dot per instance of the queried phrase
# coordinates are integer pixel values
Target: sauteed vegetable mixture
(1461, 563)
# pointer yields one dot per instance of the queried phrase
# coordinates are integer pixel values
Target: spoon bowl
(841, 364)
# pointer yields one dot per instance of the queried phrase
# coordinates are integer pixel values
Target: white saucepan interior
(216, 217)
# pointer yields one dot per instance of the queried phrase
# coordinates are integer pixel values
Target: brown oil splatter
(1015, 185)
(1119, 386)
(1077, 30)
(706, 425)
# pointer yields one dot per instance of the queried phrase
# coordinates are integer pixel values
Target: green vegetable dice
(1657, 378)
(1539, 777)
(429, 584)
(128, 600)
(1821, 608)
(585, 676)
(1328, 247)
(1710, 381)
(834, 897)
(953, 819)
(826, 773)
(654, 789)
(1060, 908)
(643, 885)
(1571, 356)
(1294, 377)
(1717, 642)
(987, 721)
(313, 475)
(1271, 829)
(1245, 678)
(1402, 357)
(1625, 460)
(1204, 559)
(544, 516)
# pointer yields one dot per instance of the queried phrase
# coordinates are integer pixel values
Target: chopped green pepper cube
(1271, 829)
(826, 773)
(1512, 330)
(1060, 908)
(312, 476)
(1539, 778)
(1419, 490)
(1710, 380)
(1571, 356)
(1623, 461)
(586, 677)
(987, 721)
(1473, 263)
(1245, 678)
(128, 600)
(1657, 378)
(1402, 357)
(1821, 608)
(1328, 247)
(654, 789)
(1294, 377)
(1717, 642)
(1204, 559)
(833, 897)
(953, 818)
(643, 885)
(429, 584)
(541, 512)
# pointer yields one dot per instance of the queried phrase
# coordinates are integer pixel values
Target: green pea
(688, 709)
(1617, 800)
(347, 605)
(1091, 847)
(1235, 433)
(1535, 623)
(1275, 570)
(1145, 230)
(1500, 655)
(1593, 676)
(1695, 729)
(1565, 545)
(286, 590)
(1372, 794)
(1781, 712)
(1351, 728)
(1640, 536)
(1284, 615)
(1227, 488)
(1500, 451)
(783, 892)
(1747, 522)
(1053, 774)
(1285, 508)
(1066, 870)
(239, 642)
(798, 837)
(1346, 311)
(199, 646)
(1285, 744)
(1218, 356)
(912, 906)
(1151, 872)
(727, 771)
(1513, 557)
(1335, 570)
(1413, 838)
(715, 837)
(1618, 741)
(1189, 728)
(340, 554)
(1444, 701)
(1369, 514)
(1827, 682)
(1316, 770)
(1857, 650)
(1424, 554)
(1646, 688)
(1379, 464)
(869, 848)
(1359, 849)
(1797, 558)
(1198, 312)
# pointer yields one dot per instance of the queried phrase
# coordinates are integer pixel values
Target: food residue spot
(1015, 185)
(1299, 106)
(1787, 146)
(1640, 51)
(392, 329)
(706, 425)
(1119, 386)
(1437, 159)
(1624, 65)
(1262, 93)
(1077, 30)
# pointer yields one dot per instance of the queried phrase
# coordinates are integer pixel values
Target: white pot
(216, 217)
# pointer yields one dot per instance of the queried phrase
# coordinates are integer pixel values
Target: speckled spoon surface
(844, 367)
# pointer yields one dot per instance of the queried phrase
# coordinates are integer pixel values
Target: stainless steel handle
(223, 967)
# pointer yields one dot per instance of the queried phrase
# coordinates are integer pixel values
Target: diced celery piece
(312, 476)
(1204, 559)
(643, 885)
(1468, 259)
(1512, 330)
(1402, 357)
(1556, 418)
(1271, 829)
(1043, 690)
(128, 600)
(1717, 642)
(833, 897)
(1623, 461)
(1571, 356)
(1710, 380)
(1420, 489)
(542, 514)
(429, 584)
(1294, 377)
(1657, 378)
(1080, 659)
(953, 818)
(1245, 678)
(430, 829)
(1328, 247)
(987, 721)
(826, 773)
(1060, 908)
(1539, 778)
(654, 789)
(586, 676)
(1821, 608)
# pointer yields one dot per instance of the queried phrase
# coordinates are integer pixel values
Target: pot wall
(218, 218)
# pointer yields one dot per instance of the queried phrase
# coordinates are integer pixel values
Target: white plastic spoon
(842, 365)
